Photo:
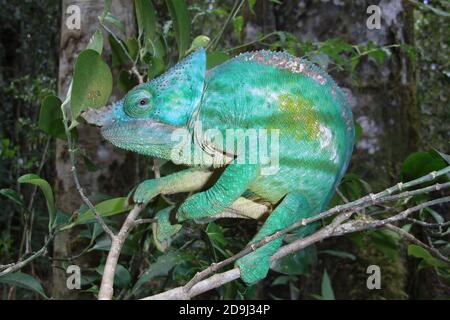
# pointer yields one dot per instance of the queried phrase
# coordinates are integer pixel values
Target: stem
(72, 151)
(107, 286)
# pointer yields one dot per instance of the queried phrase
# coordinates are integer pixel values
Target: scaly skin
(257, 90)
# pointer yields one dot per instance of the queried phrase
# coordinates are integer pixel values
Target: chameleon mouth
(138, 133)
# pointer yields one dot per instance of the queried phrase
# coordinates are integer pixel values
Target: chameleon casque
(261, 90)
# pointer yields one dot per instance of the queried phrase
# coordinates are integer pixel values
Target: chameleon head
(145, 119)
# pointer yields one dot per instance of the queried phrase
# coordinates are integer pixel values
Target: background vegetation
(397, 81)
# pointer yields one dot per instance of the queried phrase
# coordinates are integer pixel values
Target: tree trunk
(113, 176)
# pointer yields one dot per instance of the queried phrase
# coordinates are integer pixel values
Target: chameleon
(187, 113)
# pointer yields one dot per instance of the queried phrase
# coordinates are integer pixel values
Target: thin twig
(436, 253)
(72, 158)
(13, 267)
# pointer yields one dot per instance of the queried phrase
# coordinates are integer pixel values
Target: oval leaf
(92, 83)
(105, 209)
(25, 281)
(51, 118)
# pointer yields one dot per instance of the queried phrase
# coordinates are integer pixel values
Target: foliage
(164, 37)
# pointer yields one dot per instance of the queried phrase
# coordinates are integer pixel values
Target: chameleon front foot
(146, 191)
(163, 230)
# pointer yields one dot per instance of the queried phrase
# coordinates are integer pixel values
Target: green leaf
(25, 281)
(96, 41)
(153, 48)
(119, 56)
(437, 11)
(251, 5)
(340, 254)
(215, 58)
(13, 195)
(199, 42)
(146, 19)
(109, 18)
(51, 118)
(105, 209)
(387, 242)
(133, 47)
(122, 277)
(160, 267)
(156, 67)
(358, 131)
(327, 290)
(419, 164)
(378, 55)
(436, 216)
(281, 281)
(216, 234)
(238, 24)
(92, 83)
(178, 11)
(430, 261)
(444, 156)
(46, 190)
(126, 81)
(297, 263)
(90, 166)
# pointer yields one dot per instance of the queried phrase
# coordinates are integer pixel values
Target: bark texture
(113, 176)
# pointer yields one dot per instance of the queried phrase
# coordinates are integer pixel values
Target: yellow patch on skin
(298, 112)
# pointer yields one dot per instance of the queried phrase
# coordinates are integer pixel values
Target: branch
(413, 239)
(337, 228)
(107, 286)
(13, 267)
(350, 208)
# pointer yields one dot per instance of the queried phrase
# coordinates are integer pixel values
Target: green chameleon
(265, 134)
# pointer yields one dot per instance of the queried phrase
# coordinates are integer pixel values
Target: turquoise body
(271, 92)
(274, 90)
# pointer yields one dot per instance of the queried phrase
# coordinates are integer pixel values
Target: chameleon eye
(137, 103)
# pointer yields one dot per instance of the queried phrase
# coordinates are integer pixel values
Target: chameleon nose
(98, 117)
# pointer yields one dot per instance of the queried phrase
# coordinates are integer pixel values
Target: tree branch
(337, 227)
(107, 286)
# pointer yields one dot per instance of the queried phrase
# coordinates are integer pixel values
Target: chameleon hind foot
(255, 266)
(163, 230)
